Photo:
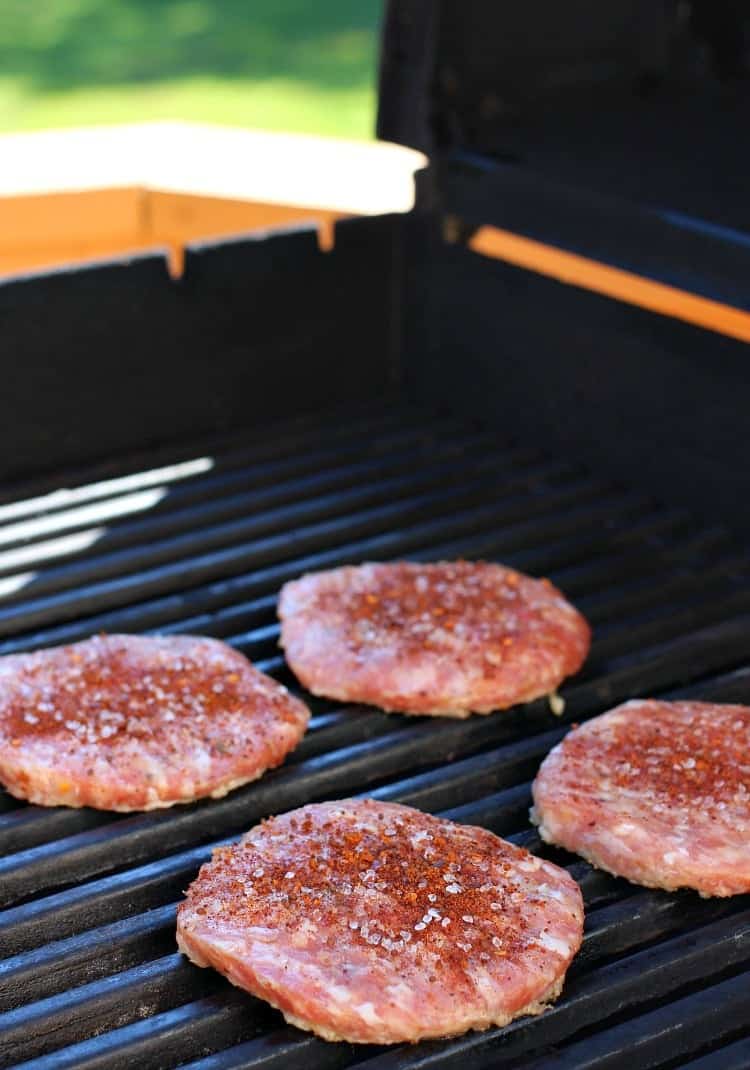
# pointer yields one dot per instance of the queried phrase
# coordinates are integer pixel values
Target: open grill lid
(602, 147)
(639, 100)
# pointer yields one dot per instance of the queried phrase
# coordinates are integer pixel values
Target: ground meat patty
(447, 638)
(376, 923)
(658, 792)
(125, 722)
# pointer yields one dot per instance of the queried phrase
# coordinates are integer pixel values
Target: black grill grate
(89, 976)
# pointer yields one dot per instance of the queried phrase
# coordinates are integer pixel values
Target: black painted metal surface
(663, 400)
(89, 975)
(634, 100)
(112, 356)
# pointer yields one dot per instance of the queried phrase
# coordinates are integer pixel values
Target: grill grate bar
(204, 1024)
(731, 1057)
(283, 1048)
(665, 1034)
(108, 1003)
(640, 593)
(80, 959)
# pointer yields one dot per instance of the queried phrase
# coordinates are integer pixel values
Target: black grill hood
(634, 99)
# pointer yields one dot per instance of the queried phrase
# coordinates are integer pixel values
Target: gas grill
(176, 450)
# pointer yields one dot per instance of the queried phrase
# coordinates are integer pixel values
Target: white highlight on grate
(87, 514)
(11, 584)
(43, 551)
(68, 496)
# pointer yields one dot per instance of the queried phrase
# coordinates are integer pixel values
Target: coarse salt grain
(556, 704)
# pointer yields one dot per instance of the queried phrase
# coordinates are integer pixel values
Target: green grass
(302, 65)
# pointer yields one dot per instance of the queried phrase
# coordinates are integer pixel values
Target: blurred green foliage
(278, 64)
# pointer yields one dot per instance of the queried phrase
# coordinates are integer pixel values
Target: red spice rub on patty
(376, 923)
(657, 792)
(127, 722)
(448, 639)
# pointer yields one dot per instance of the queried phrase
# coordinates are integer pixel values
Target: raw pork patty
(658, 792)
(375, 923)
(447, 638)
(124, 722)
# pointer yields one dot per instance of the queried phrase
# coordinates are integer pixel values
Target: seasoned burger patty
(376, 923)
(125, 722)
(446, 639)
(658, 792)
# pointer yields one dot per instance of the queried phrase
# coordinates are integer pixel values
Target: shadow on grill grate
(90, 977)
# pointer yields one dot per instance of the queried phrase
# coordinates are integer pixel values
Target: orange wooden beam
(45, 230)
(625, 286)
